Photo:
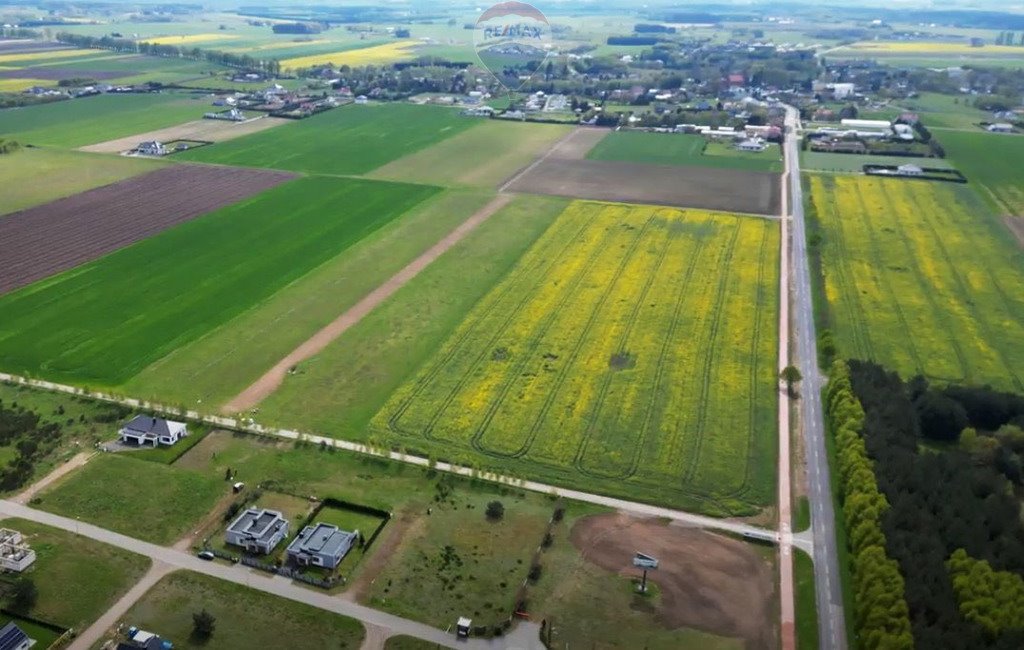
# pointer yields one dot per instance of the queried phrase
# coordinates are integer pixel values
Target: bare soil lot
(50, 238)
(212, 130)
(706, 581)
(685, 187)
(578, 145)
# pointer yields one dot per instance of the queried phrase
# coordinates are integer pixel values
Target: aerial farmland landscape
(410, 325)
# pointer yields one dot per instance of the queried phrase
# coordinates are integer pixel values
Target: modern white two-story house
(148, 431)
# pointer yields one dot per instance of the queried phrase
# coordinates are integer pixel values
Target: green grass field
(572, 369)
(242, 615)
(485, 155)
(947, 111)
(347, 140)
(223, 264)
(139, 498)
(340, 390)
(66, 173)
(806, 602)
(88, 120)
(681, 149)
(987, 161)
(922, 278)
(214, 368)
(819, 161)
(78, 578)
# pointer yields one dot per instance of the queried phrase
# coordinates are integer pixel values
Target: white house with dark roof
(258, 530)
(323, 545)
(148, 431)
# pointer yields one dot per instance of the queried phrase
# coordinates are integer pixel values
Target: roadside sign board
(646, 562)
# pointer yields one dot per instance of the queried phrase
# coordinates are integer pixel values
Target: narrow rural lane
(60, 471)
(831, 619)
(173, 559)
(95, 632)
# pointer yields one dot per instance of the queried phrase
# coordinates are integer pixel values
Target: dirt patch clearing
(728, 190)
(707, 581)
(578, 144)
(50, 238)
(211, 130)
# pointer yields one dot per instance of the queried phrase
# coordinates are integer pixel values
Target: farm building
(145, 430)
(909, 170)
(151, 148)
(321, 545)
(1000, 128)
(753, 145)
(257, 530)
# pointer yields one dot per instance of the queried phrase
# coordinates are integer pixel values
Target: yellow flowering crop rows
(46, 55)
(917, 278)
(631, 350)
(18, 85)
(376, 55)
(921, 47)
(188, 39)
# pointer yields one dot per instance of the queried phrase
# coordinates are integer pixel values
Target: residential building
(258, 530)
(145, 430)
(143, 640)
(754, 145)
(909, 170)
(15, 555)
(322, 545)
(151, 148)
(13, 637)
(1000, 128)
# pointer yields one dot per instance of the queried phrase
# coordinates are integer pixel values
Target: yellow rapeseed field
(921, 47)
(376, 55)
(18, 85)
(630, 344)
(275, 46)
(918, 278)
(46, 55)
(187, 39)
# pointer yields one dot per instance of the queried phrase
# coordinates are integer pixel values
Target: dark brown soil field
(707, 582)
(57, 73)
(47, 239)
(727, 190)
(19, 46)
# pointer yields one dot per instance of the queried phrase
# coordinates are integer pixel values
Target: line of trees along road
(881, 618)
(243, 61)
(954, 498)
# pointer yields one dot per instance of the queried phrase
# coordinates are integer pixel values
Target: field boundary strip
(272, 379)
(643, 509)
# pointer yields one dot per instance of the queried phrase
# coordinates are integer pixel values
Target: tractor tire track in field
(45, 240)
(536, 336)
(273, 378)
(660, 367)
(426, 380)
(553, 392)
(705, 384)
(581, 449)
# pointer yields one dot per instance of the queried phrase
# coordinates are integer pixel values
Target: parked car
(206, 555)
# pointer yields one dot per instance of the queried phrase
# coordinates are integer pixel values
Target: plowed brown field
(47, 239)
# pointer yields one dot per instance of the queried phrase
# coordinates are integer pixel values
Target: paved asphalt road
(831, 619)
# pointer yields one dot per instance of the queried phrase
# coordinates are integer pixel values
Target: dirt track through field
(707, 582)
(47, 239)
(212, 130)
(1016, 226)
(273, 378)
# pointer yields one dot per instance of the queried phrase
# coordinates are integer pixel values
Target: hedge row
(881, 616)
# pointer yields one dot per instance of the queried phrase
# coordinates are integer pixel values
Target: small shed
(462, 627)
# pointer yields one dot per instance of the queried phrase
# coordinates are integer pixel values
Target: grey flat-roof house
(13, 637)
(145, 430)
(321, 545)
(258, 530)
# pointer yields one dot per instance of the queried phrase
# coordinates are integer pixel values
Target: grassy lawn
(948, 111)
(922, 278)
(408, 643)
(821, 161)
(78, 578)
(485, 155)
(681, 149)
(168, 455)
(241, 614)
(83, 423)
(802, 514)
(975, 154)
(35, 176)
(806, 603)
(88, 120)
(216, 367)
(224, 263)
(150, 501)
(340, 390)
(347, 140)
(569, 370)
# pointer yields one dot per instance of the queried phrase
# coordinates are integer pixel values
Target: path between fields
(59, 472)
(95, 632)
(273, 378)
